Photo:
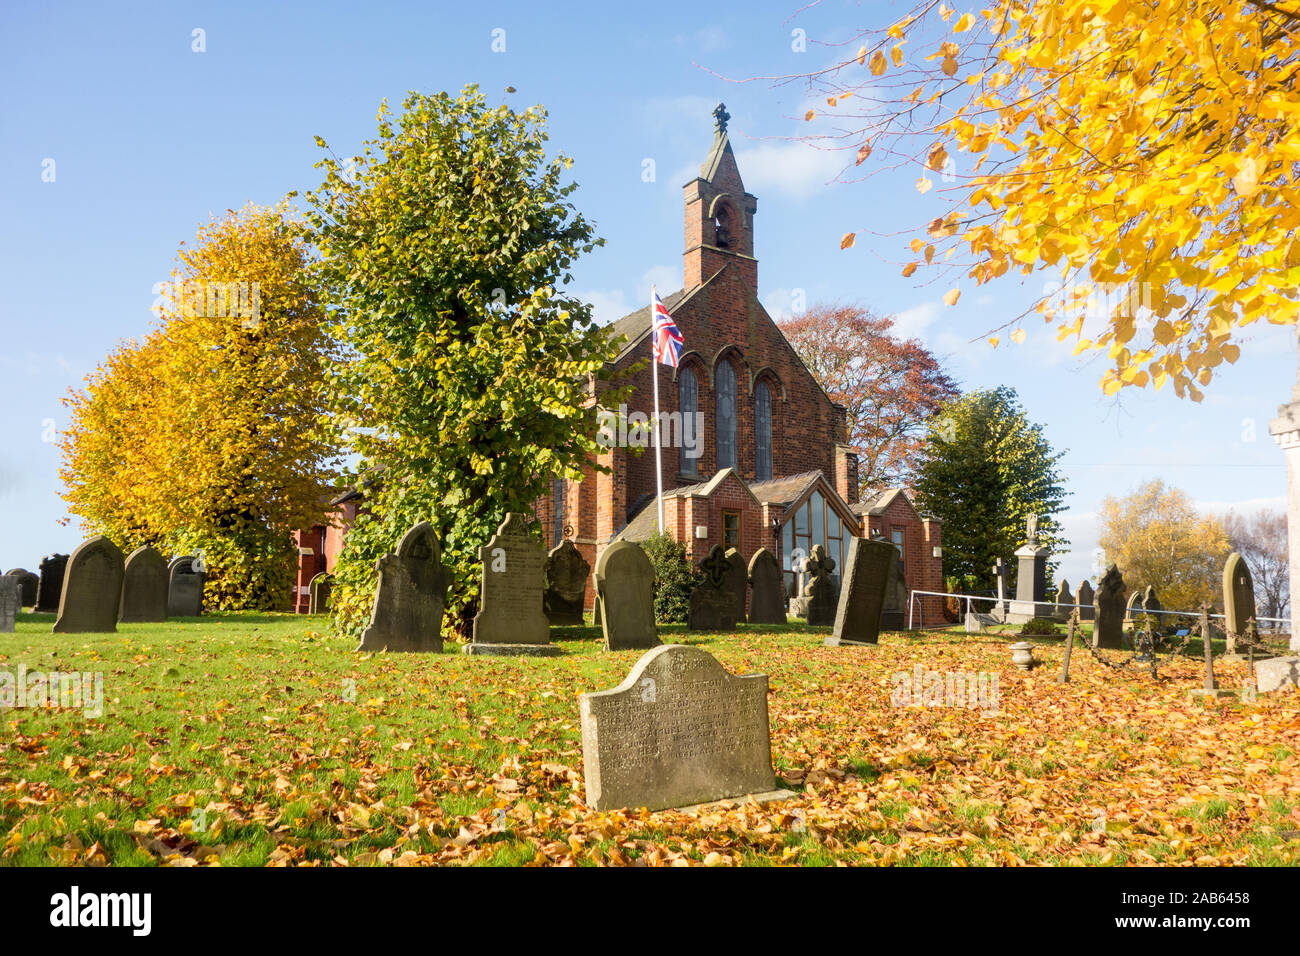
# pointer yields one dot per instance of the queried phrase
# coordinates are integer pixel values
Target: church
(771, 466)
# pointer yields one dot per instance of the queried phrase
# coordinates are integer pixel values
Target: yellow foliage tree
(1157, 537)
(205, 435)
(1144, 150)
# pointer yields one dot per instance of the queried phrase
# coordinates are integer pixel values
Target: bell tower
(719, 215)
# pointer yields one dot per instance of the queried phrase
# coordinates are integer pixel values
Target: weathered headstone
(185, 586)
(1133, 606)
(1064, 601)
(1277, 673)
(1084, 600)
(50, 591)
(713, 604)
(511, 619)
(894, 615)
(1000, 574)
(1151, 603)
(766, 589)
(867, 574)
(625, 583)
(566, 584)
(822, 598)
(92, 589)
(737, 581)
(1108, 626)
(1238, 599)
(11, 602)
(680, 730)
(28, 585)
(144, 587)
(319, 591)
(412, 592)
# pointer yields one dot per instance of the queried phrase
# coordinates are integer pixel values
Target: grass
(263, 739)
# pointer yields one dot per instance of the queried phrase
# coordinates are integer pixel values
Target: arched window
(762, 432)
(725, 419)
(688, 404)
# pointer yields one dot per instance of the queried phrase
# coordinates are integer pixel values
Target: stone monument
(625, 584)
(1238, 599)
(1108, 626)
(766, 589)
(868, 573)
(1031, 579)
(713, 604)
(92, 589)
(566, 584)
(185, 577)
(144, 588)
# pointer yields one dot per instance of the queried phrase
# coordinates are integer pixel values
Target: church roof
(636, 325)
(644, 521)
(782, 491)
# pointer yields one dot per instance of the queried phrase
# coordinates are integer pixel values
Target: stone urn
(1022, 655)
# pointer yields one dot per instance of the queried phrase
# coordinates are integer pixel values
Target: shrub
(1040, 627)
(675, 577)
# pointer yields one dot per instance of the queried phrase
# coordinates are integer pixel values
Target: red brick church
(773, 467)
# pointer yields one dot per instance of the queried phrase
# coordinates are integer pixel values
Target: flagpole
(659, 461)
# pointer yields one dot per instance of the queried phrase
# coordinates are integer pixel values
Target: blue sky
(148, 138)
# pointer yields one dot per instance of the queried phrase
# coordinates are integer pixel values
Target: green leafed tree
(446, 246)
(986, 469)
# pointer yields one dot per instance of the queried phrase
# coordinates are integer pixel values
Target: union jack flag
(665, 336)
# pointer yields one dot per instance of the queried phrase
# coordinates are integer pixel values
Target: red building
(772, 467)
(769, 465)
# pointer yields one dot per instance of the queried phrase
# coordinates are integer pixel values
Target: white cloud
(794, 169)
(610, 304)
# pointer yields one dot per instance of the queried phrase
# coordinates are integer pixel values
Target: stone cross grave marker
(867, 575)
(412, 592)
(92, 589)
(820, 590)
(713, 604)
(680, 730)
(511, 619)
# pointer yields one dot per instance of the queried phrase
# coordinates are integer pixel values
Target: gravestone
(1000, 574)
(820, 593)
(1133, 606)
(1031, 579)
(1277, 673)
(50, 591)
(409, 601)
(1086, 611)
(11, 602)
(625, 583)
(1108, 625)
(185, 586)
(766, 589)
(713, 604)
(1151, 604)
(1238, 599)
(511, 619)
(92, 589)
(680, 730)
(894, 615)
(566, 584)
(737, 581)
(1064, 601)
(319, 591)
(868, 571)
(144, 588)
(28, 585)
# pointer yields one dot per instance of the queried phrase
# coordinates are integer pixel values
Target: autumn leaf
(951, 296)
(848, 240)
